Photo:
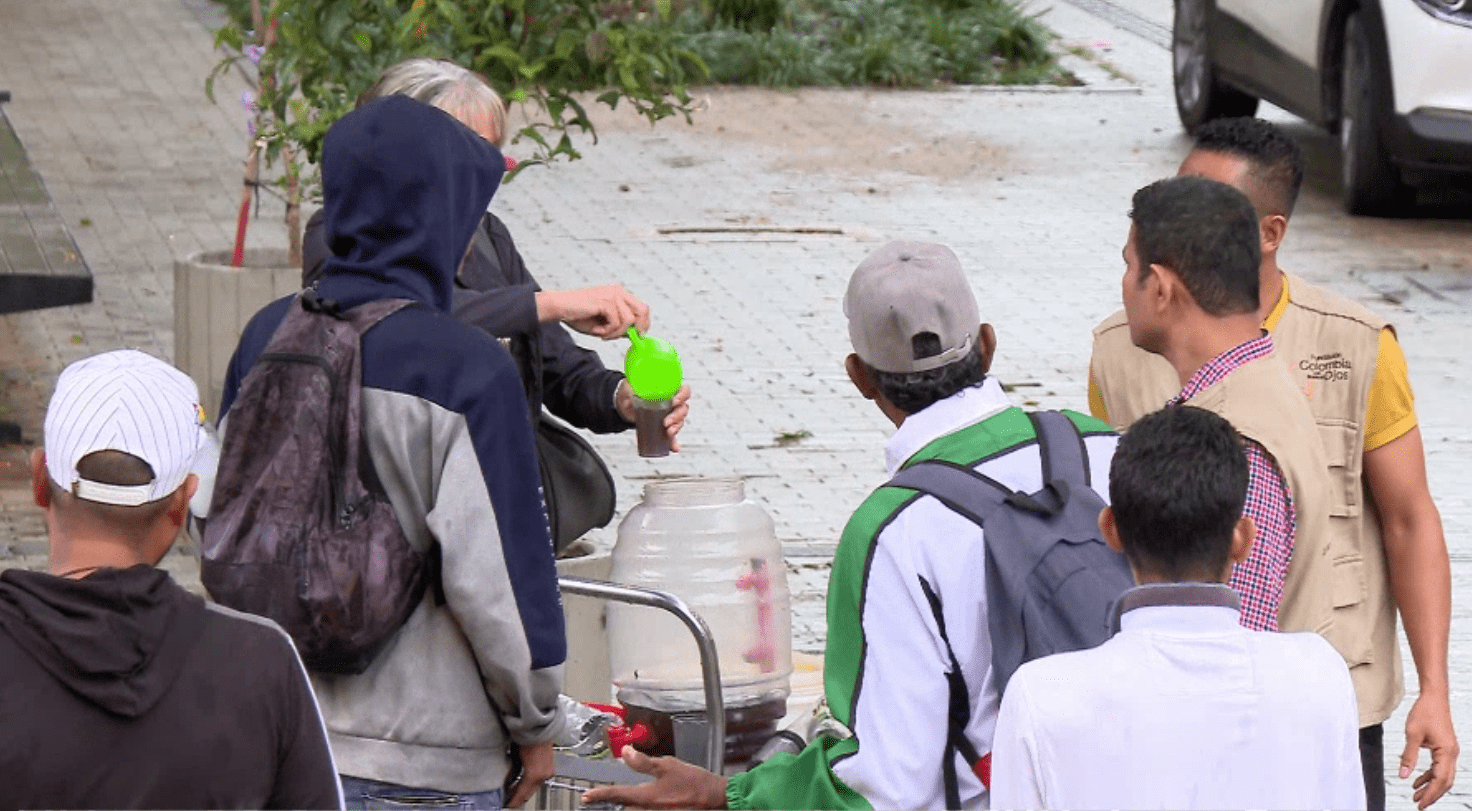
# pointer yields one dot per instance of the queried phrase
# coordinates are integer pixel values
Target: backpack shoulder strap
(1062, 449)
(955, 486)
(364, 316)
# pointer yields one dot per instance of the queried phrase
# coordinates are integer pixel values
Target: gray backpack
(1051, 580)
(299, 529)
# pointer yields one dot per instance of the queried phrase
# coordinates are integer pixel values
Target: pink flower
(510, 164)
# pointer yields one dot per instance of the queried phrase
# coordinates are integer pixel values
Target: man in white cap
(908, 643)
(118, 688)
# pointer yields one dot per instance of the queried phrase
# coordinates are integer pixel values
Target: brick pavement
(1030, 188)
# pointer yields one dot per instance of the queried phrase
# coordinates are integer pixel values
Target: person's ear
(986, 340)
(1110, 529)
(1274, 228)
(1243, 536)
(858, 374)
(1163, 288)
(40, 480)
(178, 509)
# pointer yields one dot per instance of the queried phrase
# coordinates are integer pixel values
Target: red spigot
(620, 735)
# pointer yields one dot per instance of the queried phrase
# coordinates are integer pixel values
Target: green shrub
(748, 15)
(889, 43)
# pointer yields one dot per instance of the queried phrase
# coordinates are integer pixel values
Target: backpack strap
(956, 487)
(365, 316)
(1065, 457)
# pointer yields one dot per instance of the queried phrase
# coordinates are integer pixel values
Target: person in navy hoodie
(470, 682)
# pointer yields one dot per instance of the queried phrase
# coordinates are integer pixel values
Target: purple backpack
(299, 529)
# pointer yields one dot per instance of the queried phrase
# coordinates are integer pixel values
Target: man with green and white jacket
(907, 604)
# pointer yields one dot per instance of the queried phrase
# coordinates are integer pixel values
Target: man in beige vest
(1348, 364)
(1191, 290)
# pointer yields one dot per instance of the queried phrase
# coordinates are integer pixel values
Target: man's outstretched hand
(1429, 726)
(676, 784)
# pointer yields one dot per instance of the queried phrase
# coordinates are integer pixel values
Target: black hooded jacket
(123, 690)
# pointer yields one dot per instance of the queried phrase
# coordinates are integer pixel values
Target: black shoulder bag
(576, 485)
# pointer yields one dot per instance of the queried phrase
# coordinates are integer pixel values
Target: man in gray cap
(908, 642)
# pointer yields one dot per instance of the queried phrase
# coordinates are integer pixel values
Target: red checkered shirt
(1259, 579)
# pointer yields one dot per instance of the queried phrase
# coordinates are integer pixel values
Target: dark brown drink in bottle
(654, 441)
(747, 727)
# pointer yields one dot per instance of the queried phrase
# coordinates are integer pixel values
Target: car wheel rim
(1189, 52)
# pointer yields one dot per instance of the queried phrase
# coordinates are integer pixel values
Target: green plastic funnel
(652, 367)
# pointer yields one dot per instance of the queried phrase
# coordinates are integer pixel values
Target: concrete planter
(212, 304)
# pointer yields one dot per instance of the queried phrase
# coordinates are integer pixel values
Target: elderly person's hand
(605, 312)
(673, 422)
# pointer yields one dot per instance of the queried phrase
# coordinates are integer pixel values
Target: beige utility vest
(1330, 347)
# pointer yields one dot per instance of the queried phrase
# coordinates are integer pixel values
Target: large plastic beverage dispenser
(704, 541)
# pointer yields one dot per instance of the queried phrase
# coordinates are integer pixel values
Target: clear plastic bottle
(703, 540)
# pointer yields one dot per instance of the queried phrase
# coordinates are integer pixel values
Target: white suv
(1392, 77)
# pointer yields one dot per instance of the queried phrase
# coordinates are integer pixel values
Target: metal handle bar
(715, 703)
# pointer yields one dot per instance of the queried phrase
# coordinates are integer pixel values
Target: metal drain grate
(752, 230)
(1118, 15)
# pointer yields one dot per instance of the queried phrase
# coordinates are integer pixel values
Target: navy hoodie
(447, 430)
(122, 690)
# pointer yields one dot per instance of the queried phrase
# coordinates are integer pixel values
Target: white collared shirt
(1181, 709)
(962, 409)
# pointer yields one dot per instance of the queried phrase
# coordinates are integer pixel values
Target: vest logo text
(1328, 368)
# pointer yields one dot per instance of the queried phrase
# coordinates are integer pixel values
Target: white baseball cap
(124, 401)
(901, 291)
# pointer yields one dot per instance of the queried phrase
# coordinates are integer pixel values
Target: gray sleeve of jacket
(480, 592)
(434, 475)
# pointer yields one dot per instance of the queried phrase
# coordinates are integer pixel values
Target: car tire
(1200, 94)
(1372, 184)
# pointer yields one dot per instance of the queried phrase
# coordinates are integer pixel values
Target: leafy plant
(750, 15)
(315, 57)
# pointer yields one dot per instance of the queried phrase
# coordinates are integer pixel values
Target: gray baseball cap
(903, 290)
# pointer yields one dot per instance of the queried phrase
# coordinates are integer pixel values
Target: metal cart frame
(578, 774)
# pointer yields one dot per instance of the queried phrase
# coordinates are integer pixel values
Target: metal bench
(40, 265)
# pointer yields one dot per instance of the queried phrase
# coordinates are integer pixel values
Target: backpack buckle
(1023, 501)
(313, 302)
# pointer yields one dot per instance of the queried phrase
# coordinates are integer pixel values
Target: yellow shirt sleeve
(1391, 411)
(1096, 400)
